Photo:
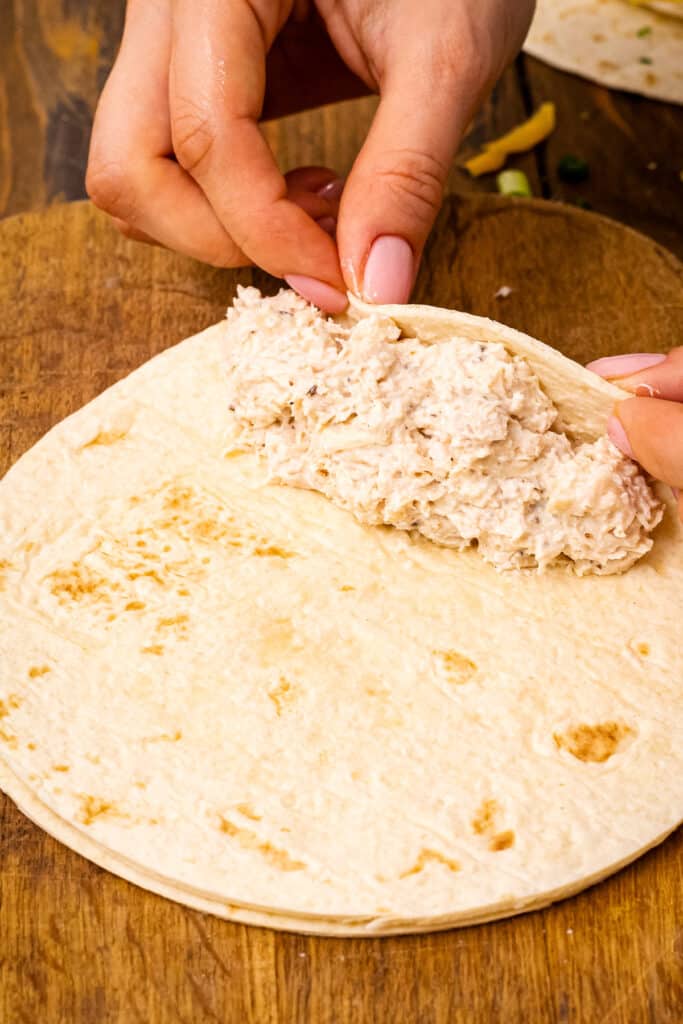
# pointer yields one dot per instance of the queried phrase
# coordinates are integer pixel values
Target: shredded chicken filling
(453, 440)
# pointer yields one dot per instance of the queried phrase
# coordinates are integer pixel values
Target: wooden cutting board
(80, 308)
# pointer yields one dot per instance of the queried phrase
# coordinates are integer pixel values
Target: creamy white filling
(453, 440)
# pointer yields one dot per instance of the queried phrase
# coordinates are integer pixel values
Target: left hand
(649, 427)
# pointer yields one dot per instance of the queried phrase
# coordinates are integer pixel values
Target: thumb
(395, 188)
(651, 431)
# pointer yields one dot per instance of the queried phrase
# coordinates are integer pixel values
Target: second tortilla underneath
(453, 440)
(618, 44)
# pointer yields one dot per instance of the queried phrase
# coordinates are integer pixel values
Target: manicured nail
(317, 292)
(328, 224)
(676, 493)
(624, 366)
(617, 436)
(332, 190)
(389, 271)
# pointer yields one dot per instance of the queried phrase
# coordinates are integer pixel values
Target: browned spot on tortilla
(272, 551)
(247, 811)
(593, 743)
(93, 807)
(140, 784)
(153, 649)
(9, 705)
(651, 78)
(78, 582)
(60, 768)
(151, 574)
(607, 65)
(29, 546)
(106, 437)
(281, 694)
(459, 668)
(38, 670)
(183, 591)
(173, 620)
(134, 606)
(9, 738)
(484, 818)
(425, 857)
(31, 746)
(346, 588)
(598, 37)
(502, 841)
(643, 650)
(234, 453)
(171, 737)
(251, 841)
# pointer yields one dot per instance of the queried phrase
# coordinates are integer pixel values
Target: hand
(649, 427)
(177, 157)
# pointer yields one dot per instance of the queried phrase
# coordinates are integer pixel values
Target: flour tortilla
(272, 713)
(599, 39)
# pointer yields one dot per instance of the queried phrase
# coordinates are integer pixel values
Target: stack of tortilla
(234, 694)
(622, 44)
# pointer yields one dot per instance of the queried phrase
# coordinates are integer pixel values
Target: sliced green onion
(645, 60)
(513, 183)
(573, 168)
(646, 30)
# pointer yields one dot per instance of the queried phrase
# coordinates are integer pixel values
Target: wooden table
(78, 945)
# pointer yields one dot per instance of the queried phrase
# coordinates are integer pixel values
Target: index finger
(217, 84)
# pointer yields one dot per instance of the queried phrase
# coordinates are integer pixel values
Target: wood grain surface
(55, 56)
(80, 307)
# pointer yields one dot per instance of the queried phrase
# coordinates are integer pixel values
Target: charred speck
(312, 390)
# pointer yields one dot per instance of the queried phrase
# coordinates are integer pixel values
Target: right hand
(649, 427)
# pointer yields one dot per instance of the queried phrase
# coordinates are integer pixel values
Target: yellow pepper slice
(525, 136)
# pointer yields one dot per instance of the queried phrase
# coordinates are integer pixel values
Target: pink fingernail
(389, 271)
(676, 493)
(332, 190)
(317, 292)
(624, 366)
(328, 224)
(617, 436)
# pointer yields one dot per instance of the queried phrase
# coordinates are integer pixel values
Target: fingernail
(332, 190)
(317, 292)
(617, 436)
(328, 224)
(676, 493)
(388, 274)
(624, 366)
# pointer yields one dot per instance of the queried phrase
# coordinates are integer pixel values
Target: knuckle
(414, 178)
(111, 189)
(193, 136)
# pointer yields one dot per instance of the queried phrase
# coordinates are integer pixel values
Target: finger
(651, 431)
(395, 188)
(129, 173)
(128, 231)
(215, 104)
(304, 188)
(648, 374)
